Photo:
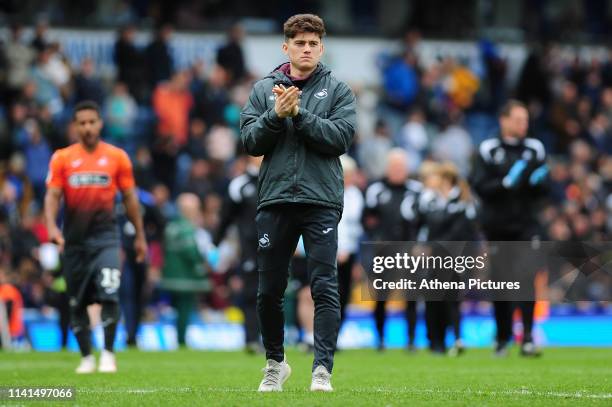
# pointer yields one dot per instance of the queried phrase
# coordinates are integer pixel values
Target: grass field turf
(563, 376)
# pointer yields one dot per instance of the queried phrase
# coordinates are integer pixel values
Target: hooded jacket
(301, 154)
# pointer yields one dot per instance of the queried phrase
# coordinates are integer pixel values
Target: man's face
(516, 123)
(397, 169)
(304, 50)
(88, 125)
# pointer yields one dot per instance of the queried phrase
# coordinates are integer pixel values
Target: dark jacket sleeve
(229, 213)
(259, 127)
(333, 135)
(483, 180)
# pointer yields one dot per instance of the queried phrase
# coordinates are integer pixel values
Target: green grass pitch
(563, 376)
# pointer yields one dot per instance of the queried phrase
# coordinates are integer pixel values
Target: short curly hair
(301, 23)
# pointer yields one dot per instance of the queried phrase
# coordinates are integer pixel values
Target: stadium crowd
(181, 129)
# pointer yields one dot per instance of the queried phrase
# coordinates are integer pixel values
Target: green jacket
(184, 266)
(301, 163)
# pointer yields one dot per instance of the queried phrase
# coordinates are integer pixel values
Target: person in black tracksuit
(446, 213)
(389, 216)
(509, 176)
(240, 209)
(134, 275)
(301, 118)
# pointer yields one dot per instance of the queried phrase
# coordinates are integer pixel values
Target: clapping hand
(287, 100)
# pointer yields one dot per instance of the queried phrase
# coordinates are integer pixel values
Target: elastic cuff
(274, 119)
(297, 119)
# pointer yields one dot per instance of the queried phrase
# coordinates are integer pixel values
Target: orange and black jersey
(89, 182)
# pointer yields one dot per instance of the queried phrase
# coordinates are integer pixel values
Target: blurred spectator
(196, 147)
(18, 58)
(120, 114)
(221, 143)
(211, 97)
(87, 86)
(40, 41)
(17, 192)
(47, 91)
(413, 138)
(130, 63)
(230, 56)
(461, 84)
(453, 143)
(400, 76)
(56, 67)
(373, 151)
(564, 115)
(160, 65)
(184, 272)
(12, 302)
(143, 169)
(36, 150)
(198, 182)
(172, 103)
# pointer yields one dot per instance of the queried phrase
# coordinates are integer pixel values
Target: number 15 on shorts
(111, 278)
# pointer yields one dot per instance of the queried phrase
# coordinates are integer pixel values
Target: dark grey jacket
(301, 163)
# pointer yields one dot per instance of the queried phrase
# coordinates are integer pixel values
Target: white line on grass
(518, 392)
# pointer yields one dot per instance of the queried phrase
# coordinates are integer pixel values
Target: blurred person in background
(16, 187)
(231, 57)
(401, 84)
(373, 150)
(18, 58)
(47, 90)
(446, 212)
(11, 303)
(349, 232)
(160, 65)
(240, 209)
(413, 138)
(134, 274)
(389, 216)
(40, 40)
(87, 84)
(131, 63)
(510, 176)
(37, 154)
(120, 111)
(172, 103)
(185, 272)
(453, 143)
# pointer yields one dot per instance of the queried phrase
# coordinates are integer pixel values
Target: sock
(309, 338)
(83, 337)
(110, 318)
(79, 320)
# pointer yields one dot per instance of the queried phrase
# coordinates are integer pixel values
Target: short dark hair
(507, 107)
(301, 23)
(86, 105)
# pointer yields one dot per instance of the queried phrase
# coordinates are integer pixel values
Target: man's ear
(285, 48)
(322, 48)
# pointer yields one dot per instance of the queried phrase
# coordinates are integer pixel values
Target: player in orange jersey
(88, 175)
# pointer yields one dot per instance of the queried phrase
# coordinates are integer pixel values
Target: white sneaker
(275, 375)
(107, 362)
(87, 365)
(321, 379)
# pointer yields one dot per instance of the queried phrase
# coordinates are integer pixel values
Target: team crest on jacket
(322, 94)
(264, 241)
